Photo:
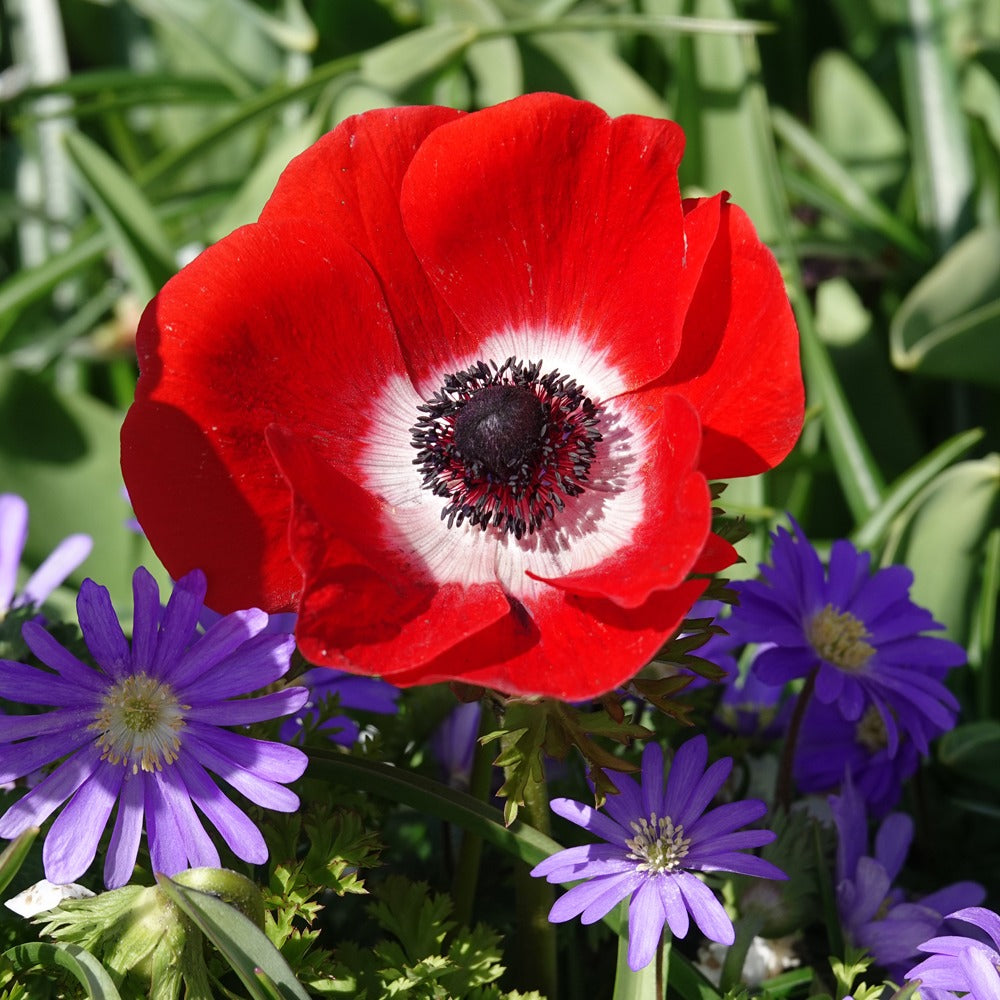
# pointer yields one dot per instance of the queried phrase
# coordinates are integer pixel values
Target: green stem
(470, 853)
(732, 966)
(535, 941)
(783, 787)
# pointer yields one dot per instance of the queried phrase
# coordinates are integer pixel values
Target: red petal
(676, 514)
(274, 323)
(544, 215)
(568, 646)
(739, 358)
(368, 605)
(350, 181)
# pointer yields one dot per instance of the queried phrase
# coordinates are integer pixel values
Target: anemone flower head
(965, 963)
(657, 841)
(64, 558)
(143, 729)
(456, 395)
(828, 745)
(875, 914)
(859, 631)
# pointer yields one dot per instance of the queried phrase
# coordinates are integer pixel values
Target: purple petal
(72, 670)
(687, 767)
(261, 790)
(13, 535)
(707, 911)
(980, 973)
(50, 793)
(626, 806)
(574, 901)
(892, 842)
(674, 907)
(221, 640)
(102, 631)
(179, 624)
(23, 758)
(246, 710)
(71, 843)
(982, 918)
(724, 819)
(19, 727)
(590, 819)
(272, 761)
(145, 617)
(780, 664)
(738, 840)
(615, 889)
(127, 832)
(194, 848)
(582, 862)
(954, 896)
(651, 782)
(63, 559)
(645, 925)
(739, 864)
(703, 793)
(237, 829)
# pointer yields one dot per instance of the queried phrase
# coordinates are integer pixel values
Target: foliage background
(862, 136)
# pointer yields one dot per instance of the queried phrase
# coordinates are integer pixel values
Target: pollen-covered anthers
(505, 444)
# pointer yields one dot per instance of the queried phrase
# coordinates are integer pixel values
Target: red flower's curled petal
(350, 181)
(739, 358)
(252, 332)
(545, 215)
(566, 646)
(669, 538)
(368, 603)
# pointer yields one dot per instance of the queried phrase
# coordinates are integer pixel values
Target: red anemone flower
(456, 396)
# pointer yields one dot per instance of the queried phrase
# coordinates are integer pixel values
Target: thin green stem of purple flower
(470, 853)
(783, 787)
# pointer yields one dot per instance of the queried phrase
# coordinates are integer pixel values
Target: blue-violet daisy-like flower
(858, 630)
(657, 839)
(875, 914)
(143, 729)
(828, 745)
(64, 558)
(963, 964)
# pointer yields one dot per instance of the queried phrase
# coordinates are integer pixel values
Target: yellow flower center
(138, 724)
(870, 731)
(658, 845)
(840, 639)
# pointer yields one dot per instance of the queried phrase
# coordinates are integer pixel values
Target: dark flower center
(505, 444)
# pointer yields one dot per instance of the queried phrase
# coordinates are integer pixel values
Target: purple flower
(859, 631)
(454, 743)
(963, 964)
(875, 915)
(142, 729)
(65, 558)
(657, 838)
(829, 744)
(366, 694)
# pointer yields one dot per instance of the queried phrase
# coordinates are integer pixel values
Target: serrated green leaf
(947, 325)
(91, 975)
(396, 64)
(124, 211)
(243, 945)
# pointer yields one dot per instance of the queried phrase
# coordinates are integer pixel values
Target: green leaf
(254, 959)
(495, 63)
(908, 485)
(418, 792)
(941, 536)
(942, 159)
(124, 211)
(410, 57)
(60, 451)
(91, 975)
(947, 325)
(599, 75)
(13, 856)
